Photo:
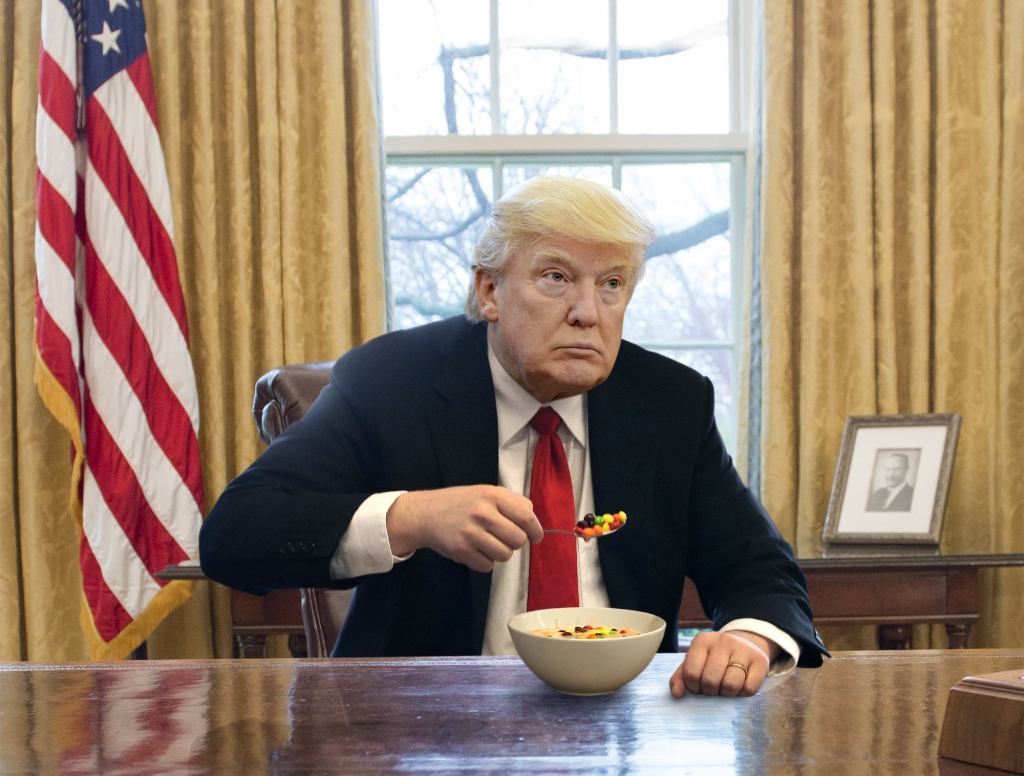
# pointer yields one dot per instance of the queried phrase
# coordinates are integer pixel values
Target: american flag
(112, 360)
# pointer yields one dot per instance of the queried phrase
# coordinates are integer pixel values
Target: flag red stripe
(55, 351)
(56, 94)
(56, 221)
(108, 615)
(115, 170)
(142, 76)
(168, 420)
(117, 483)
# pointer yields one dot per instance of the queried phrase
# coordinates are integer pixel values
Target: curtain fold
(892, 262)
(270, 128)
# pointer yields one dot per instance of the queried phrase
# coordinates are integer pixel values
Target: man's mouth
(580, 350)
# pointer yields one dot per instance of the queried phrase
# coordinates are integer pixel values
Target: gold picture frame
(892, 479)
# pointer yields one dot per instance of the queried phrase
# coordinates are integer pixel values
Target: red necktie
(553, 577)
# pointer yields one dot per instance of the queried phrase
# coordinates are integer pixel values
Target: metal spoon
(584, 538)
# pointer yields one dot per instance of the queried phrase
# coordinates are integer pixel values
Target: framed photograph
(891, 479)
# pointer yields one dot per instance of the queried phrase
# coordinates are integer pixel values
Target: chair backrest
(282, 397)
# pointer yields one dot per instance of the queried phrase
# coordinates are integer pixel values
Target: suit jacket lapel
(622, 465)
(465, 432)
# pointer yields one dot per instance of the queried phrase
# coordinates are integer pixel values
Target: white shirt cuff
(365, 547)
(790, 655)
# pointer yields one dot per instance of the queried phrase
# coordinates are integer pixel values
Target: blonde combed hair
(552, 206)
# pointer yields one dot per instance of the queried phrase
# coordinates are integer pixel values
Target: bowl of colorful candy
(586, 650)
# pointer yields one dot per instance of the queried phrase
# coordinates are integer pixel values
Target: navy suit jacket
(902, 502)
(415, 410)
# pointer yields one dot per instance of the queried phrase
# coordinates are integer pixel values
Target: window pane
(673, 66)
(686, 292)
(423, 43)
(435, 217)
(554, 66)
(513, 175)
(716, 365)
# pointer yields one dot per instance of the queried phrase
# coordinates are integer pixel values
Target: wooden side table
(893, 592)
(254, 618)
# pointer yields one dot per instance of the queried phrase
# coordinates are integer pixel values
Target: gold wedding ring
(740, 666)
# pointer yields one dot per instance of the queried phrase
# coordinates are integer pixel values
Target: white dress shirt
(365, 548)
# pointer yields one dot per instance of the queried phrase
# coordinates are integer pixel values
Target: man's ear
(486, 284)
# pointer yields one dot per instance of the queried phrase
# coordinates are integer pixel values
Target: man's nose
(583, 311)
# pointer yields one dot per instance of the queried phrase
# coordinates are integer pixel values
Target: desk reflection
(860, 713)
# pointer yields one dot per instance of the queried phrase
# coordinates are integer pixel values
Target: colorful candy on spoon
(595, 526)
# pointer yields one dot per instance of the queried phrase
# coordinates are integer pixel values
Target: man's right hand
(476, 525)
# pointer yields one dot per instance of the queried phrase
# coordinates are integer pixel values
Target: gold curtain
(270, 128)
(893, 260)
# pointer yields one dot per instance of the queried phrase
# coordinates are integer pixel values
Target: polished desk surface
(862, 713)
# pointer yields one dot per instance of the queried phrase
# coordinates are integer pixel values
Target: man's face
(555, 314)
(895, 472)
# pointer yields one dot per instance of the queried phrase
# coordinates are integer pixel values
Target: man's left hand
(715, 663)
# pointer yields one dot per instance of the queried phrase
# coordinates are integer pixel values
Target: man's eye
(614, 283)
(558, 277)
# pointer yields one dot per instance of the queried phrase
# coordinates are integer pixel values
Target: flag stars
(118, 4)
(108, 38)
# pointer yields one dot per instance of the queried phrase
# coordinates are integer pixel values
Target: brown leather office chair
(282, 397)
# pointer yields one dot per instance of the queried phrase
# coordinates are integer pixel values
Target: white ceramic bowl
(586, 666)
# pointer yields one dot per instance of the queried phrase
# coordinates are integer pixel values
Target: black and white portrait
(894, 474)
(891, 480)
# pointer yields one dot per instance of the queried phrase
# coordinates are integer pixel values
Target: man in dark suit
(897, 494)
(408, 477)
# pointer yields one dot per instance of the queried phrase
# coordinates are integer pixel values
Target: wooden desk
(893, 592)
(861, 713)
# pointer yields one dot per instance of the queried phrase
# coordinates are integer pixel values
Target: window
(643, 95)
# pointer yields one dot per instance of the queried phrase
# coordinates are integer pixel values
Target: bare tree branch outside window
(451, 216)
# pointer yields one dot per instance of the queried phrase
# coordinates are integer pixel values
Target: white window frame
(615, 149)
